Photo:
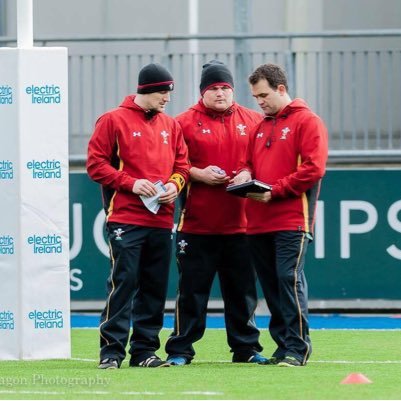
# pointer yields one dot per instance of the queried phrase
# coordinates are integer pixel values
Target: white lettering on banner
(319, 231)
(98, 234)
(44, 94)
(6, 320)
(6, 245)
(78, 283)
(346, 228)
(48, 319)
(46, 244)
(6, 170)
(395, 224)
(76, 230)
(6, 94)
(348, 231)
(46, 169)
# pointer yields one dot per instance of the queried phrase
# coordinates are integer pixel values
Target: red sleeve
(103, 154)
(312, 158)
(248, 165)
(180, 174)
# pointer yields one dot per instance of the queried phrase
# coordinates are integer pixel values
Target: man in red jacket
(211, 233)
(136, 153)
(287, 150)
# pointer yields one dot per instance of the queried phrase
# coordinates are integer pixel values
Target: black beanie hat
(215, 72)
(154, 78)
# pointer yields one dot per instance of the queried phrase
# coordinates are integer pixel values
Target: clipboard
(246, 187)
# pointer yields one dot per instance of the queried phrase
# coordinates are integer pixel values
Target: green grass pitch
(336, 353)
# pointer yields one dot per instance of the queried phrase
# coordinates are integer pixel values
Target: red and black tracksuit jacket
(127, 146)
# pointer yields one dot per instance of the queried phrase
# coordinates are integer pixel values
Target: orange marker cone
(356, 378)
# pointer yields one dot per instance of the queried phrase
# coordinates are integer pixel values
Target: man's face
(270, 100)
(218, 98)
(156, 101)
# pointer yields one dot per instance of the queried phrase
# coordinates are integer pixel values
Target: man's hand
(170, 195)
(243, 176)
(210, 175)
(263, 197)
(144, 187)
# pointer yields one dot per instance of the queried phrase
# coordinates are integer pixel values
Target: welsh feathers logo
(118, 233)
(182, 245)
(241, 129)
(165, 135)
(284, 132)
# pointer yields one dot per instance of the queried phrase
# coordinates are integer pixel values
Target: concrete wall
(91, 17)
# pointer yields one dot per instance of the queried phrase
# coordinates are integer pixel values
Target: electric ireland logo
(47, 319)
(6, 94)
(6, 245)
(45, 244)
(6, 170)
(6, 320)
(45, 169)
(46, 94)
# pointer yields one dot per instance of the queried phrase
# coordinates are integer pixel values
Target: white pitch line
(141, 393)
(351, 329)
(312, 361)
(109, 392)
(358, 362)
(94, 392)
(201, 393)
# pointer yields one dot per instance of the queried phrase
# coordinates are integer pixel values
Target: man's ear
(281, 89)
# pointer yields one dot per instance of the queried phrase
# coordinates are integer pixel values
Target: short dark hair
(272, 73)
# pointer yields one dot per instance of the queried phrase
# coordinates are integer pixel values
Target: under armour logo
(284, 133)
(165, 135)
(118, 233)
(241, 129)
(182, 244)
(259, 135)
(206, 131)
(171, 86)
(136, 134)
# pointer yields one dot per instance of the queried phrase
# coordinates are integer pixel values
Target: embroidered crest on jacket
(284, 132)
(165, 135)
(241, 129)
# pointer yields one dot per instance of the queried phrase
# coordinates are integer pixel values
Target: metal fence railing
(350, 78)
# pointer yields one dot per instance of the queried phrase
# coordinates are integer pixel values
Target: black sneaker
(290, 362)
(272, 361)
(151, 362)
(108, 363)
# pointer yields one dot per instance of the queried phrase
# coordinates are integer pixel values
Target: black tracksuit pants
(279, 259)
(199, 258)
(137, 290)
